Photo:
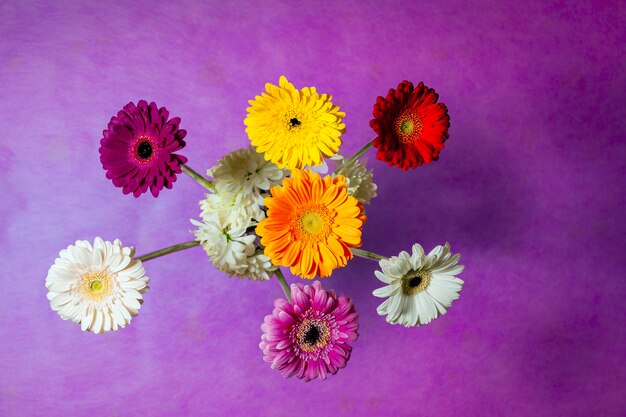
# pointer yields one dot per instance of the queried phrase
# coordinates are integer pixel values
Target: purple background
(530, 189)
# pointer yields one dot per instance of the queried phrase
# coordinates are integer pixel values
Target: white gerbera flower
(420, 287)
(227, 247)
(360, 181)
(245, 172)
(98, 286)
(234, 211)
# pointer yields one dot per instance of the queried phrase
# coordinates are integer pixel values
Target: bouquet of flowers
(288, 200)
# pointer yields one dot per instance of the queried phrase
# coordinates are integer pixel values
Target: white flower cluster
(242, 180)
(359, 179)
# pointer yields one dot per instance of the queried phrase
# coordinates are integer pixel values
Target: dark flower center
(414, 282)
(312, 335)
(293, 122)
(144, 150)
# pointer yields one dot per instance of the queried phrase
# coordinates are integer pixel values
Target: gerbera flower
(311, 224)
(98, 286)
(309, 338)
(246, 172)
(420, 287)
(138, 146)
(411, 126)
(294, 128)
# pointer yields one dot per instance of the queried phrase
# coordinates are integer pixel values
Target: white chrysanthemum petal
(420, 287)
(228, 248)
(86, 280)
(359, 181)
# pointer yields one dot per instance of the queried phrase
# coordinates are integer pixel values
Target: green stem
(367, 255)
(283, 284)
(168, 250)
(199, 178)
(354, 157)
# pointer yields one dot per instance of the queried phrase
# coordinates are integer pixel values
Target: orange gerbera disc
(311, 224)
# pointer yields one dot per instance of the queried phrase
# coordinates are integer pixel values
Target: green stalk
(354, 157)
(283, 284)
(367, 255)
(168, 250)
(199, 178)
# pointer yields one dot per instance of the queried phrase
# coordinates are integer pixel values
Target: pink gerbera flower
(137, 149)
(309, 338)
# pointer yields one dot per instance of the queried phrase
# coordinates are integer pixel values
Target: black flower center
(293, 122)
(415, 282)
(144, 150)
(312, 335)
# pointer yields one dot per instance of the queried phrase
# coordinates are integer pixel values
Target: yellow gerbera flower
(311, 224)
(294, 128)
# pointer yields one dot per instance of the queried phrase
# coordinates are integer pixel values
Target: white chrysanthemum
(246, 172)
(233, 211)
(360, 181)
(258, 267)
(420, 287)
(227, 247)
(98, 286)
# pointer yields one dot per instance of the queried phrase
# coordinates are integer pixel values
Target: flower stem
(354, 157)
(367, 255)
(199, 178)
(168, 250)
(283, 284)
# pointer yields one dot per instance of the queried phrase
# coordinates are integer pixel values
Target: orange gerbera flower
(311, 224)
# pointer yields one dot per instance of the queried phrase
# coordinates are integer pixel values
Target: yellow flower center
(415, 281)
(96, 285)
(313, 223)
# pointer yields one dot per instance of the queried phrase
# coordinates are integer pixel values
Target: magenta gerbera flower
(137, 149)
(309, 338)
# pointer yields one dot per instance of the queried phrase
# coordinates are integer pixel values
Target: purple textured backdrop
(530, 189)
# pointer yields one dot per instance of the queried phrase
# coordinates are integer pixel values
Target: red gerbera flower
(137, 149)
(411, 126)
